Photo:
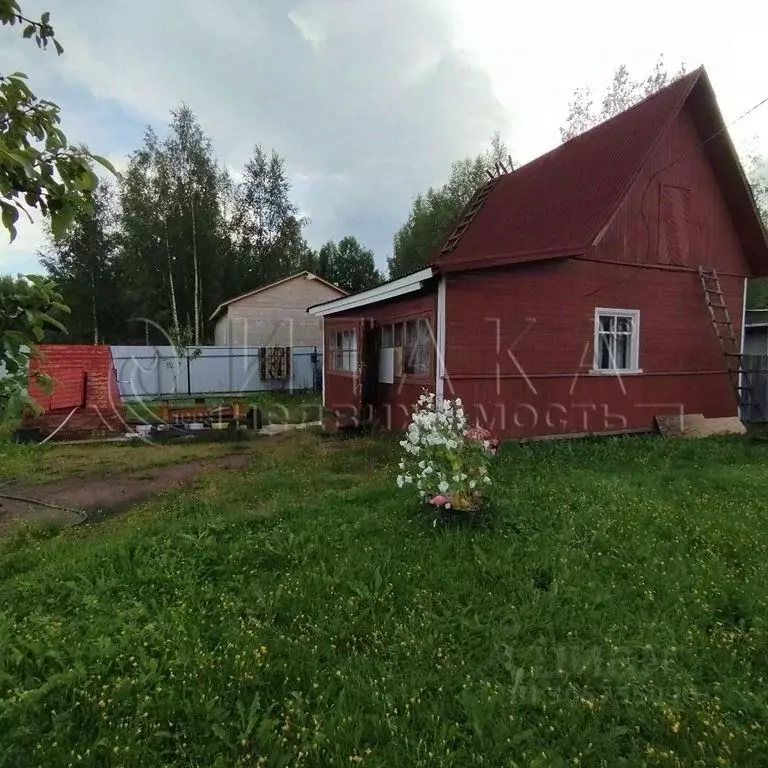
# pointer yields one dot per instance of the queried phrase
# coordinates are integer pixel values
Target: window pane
(386, 336)
(624, 324)
(604, 352)
(410, 333)
(606, 323)
(398, 335)
(622, 352)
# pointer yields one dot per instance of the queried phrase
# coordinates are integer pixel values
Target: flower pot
(476, 517)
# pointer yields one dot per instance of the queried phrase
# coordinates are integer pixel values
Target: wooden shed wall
(276, 317)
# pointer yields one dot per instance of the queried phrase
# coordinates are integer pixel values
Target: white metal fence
(144, 372)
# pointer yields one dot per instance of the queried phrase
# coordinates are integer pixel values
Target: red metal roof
(556, 205)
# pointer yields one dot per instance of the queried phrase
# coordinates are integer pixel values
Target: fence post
(189, 374)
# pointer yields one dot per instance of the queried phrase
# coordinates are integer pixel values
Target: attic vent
(674, 225)
(474, 205)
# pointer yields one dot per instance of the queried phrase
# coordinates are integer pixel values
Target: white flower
(408, 480)
(422, 464)
(472, 484)
(458, 402)
(457, 478)
(400, 481)
(442, 486)
(487, 479)
(401, 465)
(486, 444)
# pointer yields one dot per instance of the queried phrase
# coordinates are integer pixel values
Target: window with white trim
(418, 347)
(617, 340)
(342, 350)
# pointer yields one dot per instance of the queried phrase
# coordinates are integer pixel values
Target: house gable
(676, 213)
(687, 206)
(276, 315)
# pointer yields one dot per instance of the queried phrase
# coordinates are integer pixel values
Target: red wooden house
(588, 291)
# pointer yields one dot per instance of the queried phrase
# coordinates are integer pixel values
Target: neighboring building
(756, 332)
(568, 299)
(275, 315)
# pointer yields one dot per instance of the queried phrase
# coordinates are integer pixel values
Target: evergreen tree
(436, 211)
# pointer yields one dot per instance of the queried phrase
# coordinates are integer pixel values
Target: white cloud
(369, 100)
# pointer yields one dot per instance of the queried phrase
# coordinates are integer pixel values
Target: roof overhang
(390, 290)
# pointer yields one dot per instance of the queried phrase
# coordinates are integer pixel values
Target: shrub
(444, 460)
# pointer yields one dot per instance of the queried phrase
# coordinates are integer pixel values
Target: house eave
(391, 290)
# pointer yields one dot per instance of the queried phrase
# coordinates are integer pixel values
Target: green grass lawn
(300, 613)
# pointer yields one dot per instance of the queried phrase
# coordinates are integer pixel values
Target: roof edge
(384, 292)
(507, 260)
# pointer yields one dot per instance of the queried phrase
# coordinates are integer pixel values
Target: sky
(368, 102)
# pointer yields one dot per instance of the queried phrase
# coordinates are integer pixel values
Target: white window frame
(347, 351)
(634, 341)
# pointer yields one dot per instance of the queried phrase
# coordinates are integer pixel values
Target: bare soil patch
(102, 494)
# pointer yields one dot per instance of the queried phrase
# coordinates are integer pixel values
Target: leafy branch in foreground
(39, 169)
(28, 307)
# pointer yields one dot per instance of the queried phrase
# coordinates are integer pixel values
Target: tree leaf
(10, 215)
(105, 163)
(45, 18)
(29, 30)
(58, 46)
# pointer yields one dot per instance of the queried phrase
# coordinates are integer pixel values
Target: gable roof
(556, 205)
(308, 275)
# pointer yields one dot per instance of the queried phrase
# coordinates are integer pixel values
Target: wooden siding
(276, 317)
(394, 400)
(675, 212)
(520, 347)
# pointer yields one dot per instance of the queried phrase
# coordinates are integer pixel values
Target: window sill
(616, 372)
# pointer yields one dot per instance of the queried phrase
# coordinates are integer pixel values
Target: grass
(276, 407)
(299, 613)
(44, 463)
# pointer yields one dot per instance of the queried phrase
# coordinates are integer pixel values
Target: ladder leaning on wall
(729, 343)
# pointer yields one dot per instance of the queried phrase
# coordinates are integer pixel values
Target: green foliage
(622, 93)
(83, 262)
(28, 307)
(349, 265)
(757, 173)
(294, 612)
(39, 169)
(435, 212)
(266, 225)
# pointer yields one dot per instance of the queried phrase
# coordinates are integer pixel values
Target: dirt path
(103, 493)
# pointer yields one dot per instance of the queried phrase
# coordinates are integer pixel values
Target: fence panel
(158, 372)
(756, 376)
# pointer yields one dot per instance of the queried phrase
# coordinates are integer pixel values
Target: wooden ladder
(729, 343)
(474, 205)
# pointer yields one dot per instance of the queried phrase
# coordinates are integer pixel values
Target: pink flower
(439, 500)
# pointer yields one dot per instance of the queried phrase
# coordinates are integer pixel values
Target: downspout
(440, 341)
